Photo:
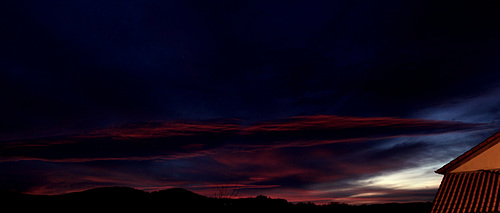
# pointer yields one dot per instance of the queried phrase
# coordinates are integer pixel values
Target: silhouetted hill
(117, 199)
(107, 193)
(181, 198)
(102, 199)
(178, 194)
(6, 195)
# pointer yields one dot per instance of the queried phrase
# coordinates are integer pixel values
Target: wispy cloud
(323, 157)
(157, 140)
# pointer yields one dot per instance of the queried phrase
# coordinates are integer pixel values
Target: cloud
(158, 140)
(364, 195)
(325, 157)
(225, 60)
(255, 61)
(483, 108)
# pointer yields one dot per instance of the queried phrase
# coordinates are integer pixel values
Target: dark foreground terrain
(118, 199)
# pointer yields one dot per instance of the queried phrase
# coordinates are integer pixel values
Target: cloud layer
(170, 139)
(322, 157)
(315, 98)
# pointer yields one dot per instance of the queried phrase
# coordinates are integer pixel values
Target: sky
(309, 101)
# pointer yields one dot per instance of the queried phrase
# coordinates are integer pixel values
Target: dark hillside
(177, 194)
(107, 193)
(117, 199)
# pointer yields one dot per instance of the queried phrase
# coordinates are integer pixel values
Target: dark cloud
(364, 87)
(139, 61)
(168, 139)
(324, 155)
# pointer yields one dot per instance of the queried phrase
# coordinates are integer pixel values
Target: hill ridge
(120, 198)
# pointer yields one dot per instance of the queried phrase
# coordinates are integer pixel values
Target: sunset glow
(308, 101)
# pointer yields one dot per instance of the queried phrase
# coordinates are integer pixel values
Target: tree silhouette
(227, 191)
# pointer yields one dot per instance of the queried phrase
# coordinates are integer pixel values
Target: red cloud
(166, 129)
(289, 158)
(167, 140)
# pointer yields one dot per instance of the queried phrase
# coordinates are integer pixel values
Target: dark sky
(348, 101)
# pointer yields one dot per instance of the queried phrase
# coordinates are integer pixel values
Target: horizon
(125, 198)
(229, 196)
(328, 101)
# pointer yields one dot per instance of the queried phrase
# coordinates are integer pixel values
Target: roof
(472, 192)
(480, 148)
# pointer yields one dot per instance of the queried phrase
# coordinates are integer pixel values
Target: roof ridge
(468, 155)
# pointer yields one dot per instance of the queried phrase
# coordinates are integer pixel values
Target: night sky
(344, 101)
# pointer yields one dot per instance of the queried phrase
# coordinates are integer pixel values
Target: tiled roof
(468, 192)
